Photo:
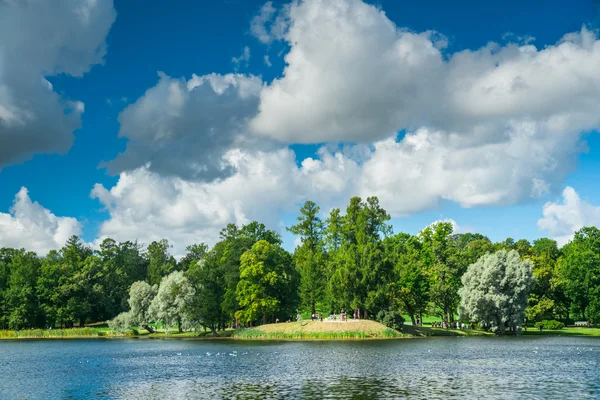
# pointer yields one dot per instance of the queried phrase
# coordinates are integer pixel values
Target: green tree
(495, 289)
(160, 262)
(194, 252)
(411, 286)
(5, 256)
(266, 283)
(546, 298)
(360, 268)
(438, 254)
(234, 242)
(21, 295)
(63, 298)
(122, 264)
(579, 273)
(209, 284)
(309, 256)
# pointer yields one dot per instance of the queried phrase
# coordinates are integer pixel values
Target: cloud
(371, 79)
(267, 61)
(267, 185)
(269, 24)
(33, 117)
(243, 58)
(29, 225)
(563, 220)
(148, 206)
(183, 128)
(455, 227)
(493, 126)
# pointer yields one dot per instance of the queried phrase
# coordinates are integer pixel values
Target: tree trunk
(148, 328)
(420, 318)
(212, 329)
(412, 319)
(179, 328)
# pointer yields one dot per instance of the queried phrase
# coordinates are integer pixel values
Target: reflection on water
(429, 368)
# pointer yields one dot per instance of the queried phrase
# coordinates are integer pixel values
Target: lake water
(490, 368)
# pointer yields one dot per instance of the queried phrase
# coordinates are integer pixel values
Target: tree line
(349, 260)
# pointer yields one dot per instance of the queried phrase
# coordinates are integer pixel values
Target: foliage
(173, 300)
(141, 295)
(309, 256)
(347, 260)
(550, 324)
(121, 323)
(266, 283)
(495, 289)
(391, 319)
(579, 273)
(443, 273)
(161, 263)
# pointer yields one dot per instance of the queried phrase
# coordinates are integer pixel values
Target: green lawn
(427, 331)
(568, 331)
(427, 319)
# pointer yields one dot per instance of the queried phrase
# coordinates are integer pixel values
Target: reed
(279, 335)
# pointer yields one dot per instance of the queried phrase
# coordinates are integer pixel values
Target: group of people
(332, 317)
(452, 325)
(316, 317)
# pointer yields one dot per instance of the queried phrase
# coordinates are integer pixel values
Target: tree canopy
(495, 289)
(344, 260)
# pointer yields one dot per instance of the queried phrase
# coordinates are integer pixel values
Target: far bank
(305, 330)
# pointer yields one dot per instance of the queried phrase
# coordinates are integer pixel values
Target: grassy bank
(424, 331)
(568, 331)
(363, 329)
(72, 333)
(105, 332)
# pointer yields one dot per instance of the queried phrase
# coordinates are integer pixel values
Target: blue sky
(202, 38)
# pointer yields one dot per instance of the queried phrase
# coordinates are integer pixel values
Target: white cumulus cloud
(408, 176)
(562, 220)
(28, 224)
(369, 79)
(490, 126)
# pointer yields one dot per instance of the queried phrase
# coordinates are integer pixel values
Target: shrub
(121, 323)
(391, 319)
(390, 333)
(550, 324)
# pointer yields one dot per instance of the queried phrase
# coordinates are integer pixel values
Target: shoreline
(290, 332)
(259, 339)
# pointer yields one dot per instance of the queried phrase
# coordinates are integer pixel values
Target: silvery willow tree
(495, 289)
(173, 300)
(140, 299)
